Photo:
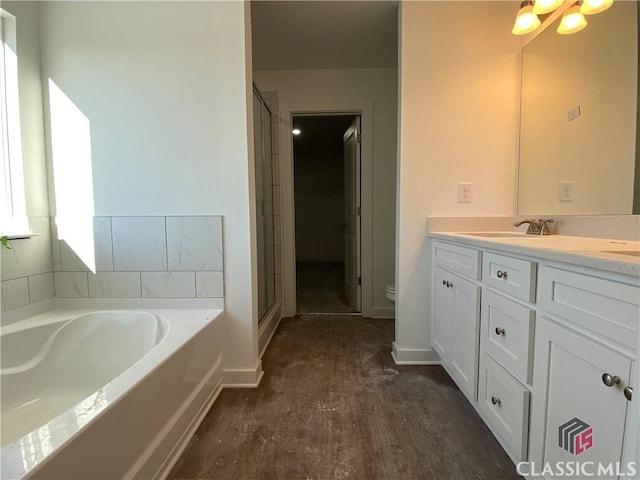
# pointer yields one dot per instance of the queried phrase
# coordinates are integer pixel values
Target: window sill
(20, 236)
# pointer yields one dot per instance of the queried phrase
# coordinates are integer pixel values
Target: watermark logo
(575, 436)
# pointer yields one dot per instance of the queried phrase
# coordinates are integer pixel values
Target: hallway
(333, 405)
(320, 288)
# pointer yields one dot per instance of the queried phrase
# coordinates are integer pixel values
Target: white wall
(167, 92)
(319, 201)
(458, 85)
(374, 92)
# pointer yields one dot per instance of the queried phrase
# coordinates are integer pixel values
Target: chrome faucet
(536, 227)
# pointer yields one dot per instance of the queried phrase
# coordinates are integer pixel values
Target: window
(13, 211)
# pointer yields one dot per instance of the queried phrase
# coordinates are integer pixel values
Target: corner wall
(167, 95)
(458, 76)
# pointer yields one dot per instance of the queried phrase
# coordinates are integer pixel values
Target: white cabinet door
(584, 418)
(455, 332)
(442, 326)
(466, 335)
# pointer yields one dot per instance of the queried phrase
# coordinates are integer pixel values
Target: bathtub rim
(123, 383)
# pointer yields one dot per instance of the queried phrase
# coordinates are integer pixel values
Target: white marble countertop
(599, 253)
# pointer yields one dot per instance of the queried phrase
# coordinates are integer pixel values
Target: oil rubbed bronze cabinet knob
(500, 331)
(496, 400)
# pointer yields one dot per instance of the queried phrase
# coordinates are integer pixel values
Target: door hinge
(359, 280)
(359, 210)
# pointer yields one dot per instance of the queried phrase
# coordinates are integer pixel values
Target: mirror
(578, 118)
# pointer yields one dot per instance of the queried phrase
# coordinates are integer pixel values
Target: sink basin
(632, 253)
(497, 234)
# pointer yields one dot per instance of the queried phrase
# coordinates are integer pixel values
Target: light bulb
(540, 7)
(526, 20)
(590, 7)
(296, 131)
(572, 21)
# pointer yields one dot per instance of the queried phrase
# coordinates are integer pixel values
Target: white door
(352, 287)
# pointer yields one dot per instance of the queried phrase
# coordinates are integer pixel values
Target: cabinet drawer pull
(496, 400)
(500, 331)
(610, 380)
(502, 274)
(628, 393)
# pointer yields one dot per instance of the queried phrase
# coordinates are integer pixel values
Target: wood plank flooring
(333, 405)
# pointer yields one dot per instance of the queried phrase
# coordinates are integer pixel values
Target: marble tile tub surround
(145, 257)
(27, 268)
(616, 227)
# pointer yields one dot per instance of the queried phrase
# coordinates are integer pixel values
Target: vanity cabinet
(455, 328)
(582, 418)
(553, 346)
(506, 348)
(584, 357)
(456, 314)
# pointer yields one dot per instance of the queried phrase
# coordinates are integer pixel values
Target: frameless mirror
(578, 118)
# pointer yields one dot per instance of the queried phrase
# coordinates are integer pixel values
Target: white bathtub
(111, 394)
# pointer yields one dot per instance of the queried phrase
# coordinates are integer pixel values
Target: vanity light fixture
(572, 21)
(590, 7)
(526, 20)
(540, 7)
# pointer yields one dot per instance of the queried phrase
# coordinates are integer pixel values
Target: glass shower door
(264, 204)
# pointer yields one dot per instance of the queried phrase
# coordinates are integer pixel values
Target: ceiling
(320, 134)
(289, 35)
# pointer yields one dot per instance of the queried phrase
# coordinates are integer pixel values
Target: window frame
(14, 221)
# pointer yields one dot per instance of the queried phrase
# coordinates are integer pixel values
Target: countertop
(599, 253)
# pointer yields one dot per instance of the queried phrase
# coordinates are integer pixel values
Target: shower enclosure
(264, 177)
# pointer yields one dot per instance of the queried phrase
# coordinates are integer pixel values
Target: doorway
(326, 161)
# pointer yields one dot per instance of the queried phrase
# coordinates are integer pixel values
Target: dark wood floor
(320, 288)
(333, 405)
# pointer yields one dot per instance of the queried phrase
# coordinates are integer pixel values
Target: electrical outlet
(465, 192)
(566, 192)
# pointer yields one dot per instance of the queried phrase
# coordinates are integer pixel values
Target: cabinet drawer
(507, 334)
(510, 275)
(608, 309)
(463, 260)
(505, 404)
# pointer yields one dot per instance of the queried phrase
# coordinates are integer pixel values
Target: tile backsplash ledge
(167, 257)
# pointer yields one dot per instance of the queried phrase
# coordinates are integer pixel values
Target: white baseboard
(249, 378)
(383, 312)
(414, 356)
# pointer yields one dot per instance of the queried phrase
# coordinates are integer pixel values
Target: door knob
(628, 393)
(610, 380)
(343, 225)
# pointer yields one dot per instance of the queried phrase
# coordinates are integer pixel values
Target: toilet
(390, 293)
